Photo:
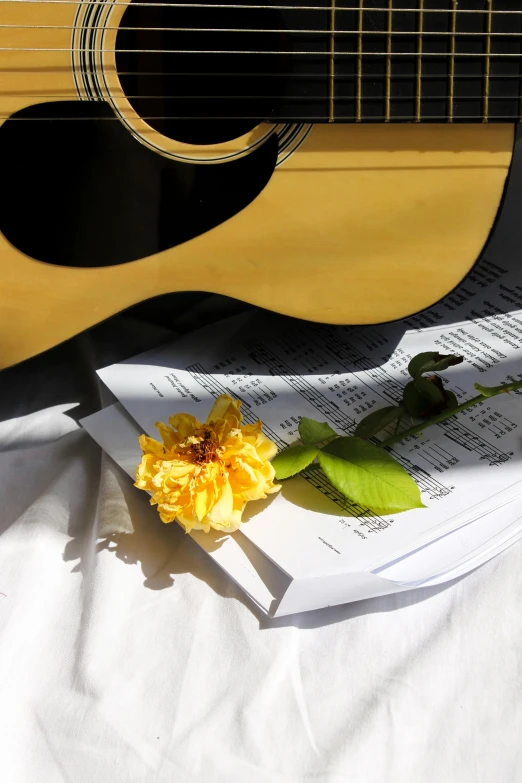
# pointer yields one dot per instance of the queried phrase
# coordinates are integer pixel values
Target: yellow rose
(203, 475)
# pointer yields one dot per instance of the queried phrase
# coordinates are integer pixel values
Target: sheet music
(283, 369)
(452, 555)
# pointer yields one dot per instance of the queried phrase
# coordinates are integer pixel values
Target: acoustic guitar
(339, 161)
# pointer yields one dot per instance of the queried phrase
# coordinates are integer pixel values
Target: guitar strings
(108, 4)
(325, 53)
(323, 119)
(246, 74)
(487, 55)
(287, 99)
(492, 34)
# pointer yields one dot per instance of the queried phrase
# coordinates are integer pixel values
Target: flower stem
(448, 414)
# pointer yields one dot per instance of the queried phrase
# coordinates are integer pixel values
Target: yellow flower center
(206, 450)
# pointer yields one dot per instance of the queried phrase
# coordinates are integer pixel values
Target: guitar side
(361, 224)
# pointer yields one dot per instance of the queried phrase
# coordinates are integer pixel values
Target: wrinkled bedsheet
(133, 659)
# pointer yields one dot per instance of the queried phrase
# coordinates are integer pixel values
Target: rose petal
(185, 424)
(225, 408)
(222, 514)
(265, 448)
(169, 437)
(151, 446)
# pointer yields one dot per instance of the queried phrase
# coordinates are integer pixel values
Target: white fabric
(133, 659)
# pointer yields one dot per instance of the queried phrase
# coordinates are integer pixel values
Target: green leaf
(451, 400)
(432, 361)
(313, 432)
(369, 476)
(421, 397)
(293, 460)
(376, 421)
(490, 391)
(417, 363)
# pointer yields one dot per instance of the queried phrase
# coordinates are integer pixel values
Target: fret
(360, 63)
(348, 96)
(331, 66)
(451, 76)
(374, 60)
(360, 28)
(487, 64)
(404, 19)
(435, 59)
(469, 61)
(504, 74)
(389, 29)
(418, 65)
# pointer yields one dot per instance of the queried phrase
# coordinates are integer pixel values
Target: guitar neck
(403, 61)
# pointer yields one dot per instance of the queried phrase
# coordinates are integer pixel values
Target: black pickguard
(85, 192)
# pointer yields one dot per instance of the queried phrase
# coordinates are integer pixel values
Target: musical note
(298, 383)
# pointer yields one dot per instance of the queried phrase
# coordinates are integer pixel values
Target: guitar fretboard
(408, 60)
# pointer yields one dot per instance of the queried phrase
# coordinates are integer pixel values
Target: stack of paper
(308, 547)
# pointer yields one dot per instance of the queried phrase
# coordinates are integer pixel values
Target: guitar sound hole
(210, 95)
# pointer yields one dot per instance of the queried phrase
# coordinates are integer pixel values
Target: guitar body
(338, 223)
